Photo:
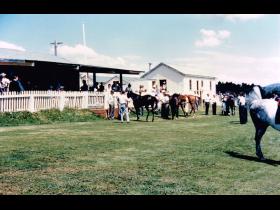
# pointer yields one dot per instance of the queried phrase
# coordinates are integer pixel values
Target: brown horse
(183, 102)
(192, 100)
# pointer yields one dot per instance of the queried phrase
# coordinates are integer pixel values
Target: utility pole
(55, 43)
(85, 61)
(150, 64)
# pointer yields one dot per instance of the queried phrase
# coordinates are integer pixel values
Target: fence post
(61, 101)
(31, 107)
(85, 100)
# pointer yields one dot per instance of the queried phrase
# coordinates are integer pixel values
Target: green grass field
(201, 155)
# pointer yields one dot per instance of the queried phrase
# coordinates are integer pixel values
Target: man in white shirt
(111, 102)
(207, 103)
(5, 82)
(242, 109)
(214, 104)
(123, 106)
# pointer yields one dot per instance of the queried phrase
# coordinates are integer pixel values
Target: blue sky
(232, 47)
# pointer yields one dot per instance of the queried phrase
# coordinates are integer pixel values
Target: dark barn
(43, 72)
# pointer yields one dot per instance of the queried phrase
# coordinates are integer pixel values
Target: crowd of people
(97, 87)
(228, 102)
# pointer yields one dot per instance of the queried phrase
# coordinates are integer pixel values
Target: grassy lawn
(201, 155)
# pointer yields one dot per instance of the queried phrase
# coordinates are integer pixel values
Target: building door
(163, 84)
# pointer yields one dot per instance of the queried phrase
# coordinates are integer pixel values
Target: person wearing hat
(5, 82)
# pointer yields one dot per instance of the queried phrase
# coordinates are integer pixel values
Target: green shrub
(46, 116)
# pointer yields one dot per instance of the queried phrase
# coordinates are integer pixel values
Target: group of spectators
(97, 87)
(229, 104)
(7, 85)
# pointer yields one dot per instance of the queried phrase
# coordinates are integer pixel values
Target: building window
(210, 85)
(202, 83)
(190, 82)
(197, 85)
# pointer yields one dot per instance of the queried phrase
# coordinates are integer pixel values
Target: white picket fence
(34, 101)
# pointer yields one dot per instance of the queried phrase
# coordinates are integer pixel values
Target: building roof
(16, 57)
(182, 72)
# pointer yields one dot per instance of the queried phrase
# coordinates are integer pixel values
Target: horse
(263, 112)
(140, 101)
(193, 100)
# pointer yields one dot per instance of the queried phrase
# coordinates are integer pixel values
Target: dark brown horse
(147, 101)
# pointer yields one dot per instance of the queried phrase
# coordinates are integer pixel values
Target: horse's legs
(153, 112)
(137, 112)
(260, 131)
(183, 109)
(177, 111)
(147, 108)
(258, 137)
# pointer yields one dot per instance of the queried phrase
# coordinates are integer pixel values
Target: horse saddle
(277, 116)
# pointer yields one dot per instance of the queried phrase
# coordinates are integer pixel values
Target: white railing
(39, 100)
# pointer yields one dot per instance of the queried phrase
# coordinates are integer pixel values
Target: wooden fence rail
(34, 101)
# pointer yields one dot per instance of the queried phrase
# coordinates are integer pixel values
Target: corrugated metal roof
(9, 54)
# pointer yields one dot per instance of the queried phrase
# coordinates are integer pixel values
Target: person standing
(165, 106)
(214, 105)
(101, 87)
(141, 93)
(111, 102)
(16, 85)
(5, 82)
(128, 88)
(84, 87)
(207, 103)
(242, 109)
(123, 106)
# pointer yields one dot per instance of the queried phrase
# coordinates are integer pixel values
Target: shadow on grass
(250, 158)
(234, 122)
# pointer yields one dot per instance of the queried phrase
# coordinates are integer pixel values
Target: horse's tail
(156, 102)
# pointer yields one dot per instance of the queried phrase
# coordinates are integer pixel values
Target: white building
(178, 81)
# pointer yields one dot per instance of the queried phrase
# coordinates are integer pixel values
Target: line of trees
(230, 87)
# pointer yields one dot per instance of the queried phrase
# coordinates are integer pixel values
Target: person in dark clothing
(101, 87)
(214, 105)
(114, 86)
(16, 85)
(128, 88)
(84, 86)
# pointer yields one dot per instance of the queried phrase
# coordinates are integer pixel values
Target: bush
(46, 116)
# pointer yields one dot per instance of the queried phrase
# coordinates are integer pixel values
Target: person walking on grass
(123, 106)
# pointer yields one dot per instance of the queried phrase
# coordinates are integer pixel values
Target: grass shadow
(251, 158)
(234, 122)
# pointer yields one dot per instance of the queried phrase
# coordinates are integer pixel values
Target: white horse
(263, 111)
